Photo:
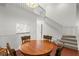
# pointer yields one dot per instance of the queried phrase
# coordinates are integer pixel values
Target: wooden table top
(36, 47)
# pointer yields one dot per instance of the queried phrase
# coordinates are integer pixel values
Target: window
(21, 28)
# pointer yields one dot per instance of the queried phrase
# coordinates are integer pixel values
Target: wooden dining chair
(47, 37)
(19, 53)
(25, 39)
(3, 52)
(10, 52)
(59, 50)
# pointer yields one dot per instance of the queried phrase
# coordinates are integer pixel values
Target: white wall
(78, 26)
(77, 37)
(52, 28)
(63, 13)
(69, 31)
(9, 16)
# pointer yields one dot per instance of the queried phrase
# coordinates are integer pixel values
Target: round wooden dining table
(36, 48)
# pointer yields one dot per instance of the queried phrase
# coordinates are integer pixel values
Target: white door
(40, 24)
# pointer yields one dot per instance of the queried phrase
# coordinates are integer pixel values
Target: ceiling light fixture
(32, 5)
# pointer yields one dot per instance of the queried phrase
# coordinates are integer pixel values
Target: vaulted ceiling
(63, 13)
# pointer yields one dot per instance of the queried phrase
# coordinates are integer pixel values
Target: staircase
(69, 41)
